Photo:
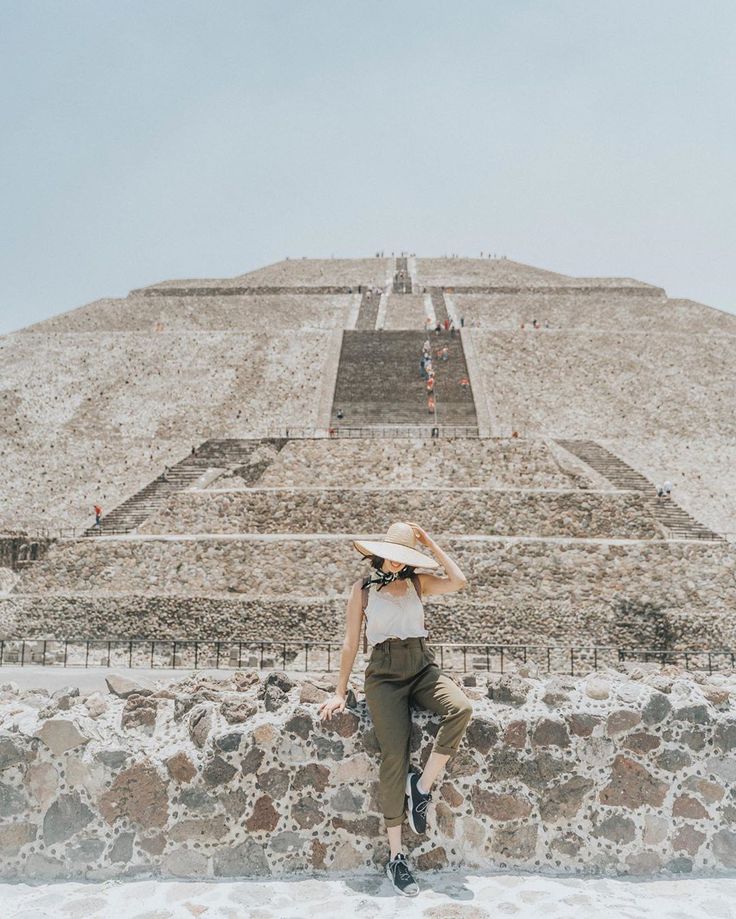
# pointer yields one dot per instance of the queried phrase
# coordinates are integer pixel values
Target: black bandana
(382, 578)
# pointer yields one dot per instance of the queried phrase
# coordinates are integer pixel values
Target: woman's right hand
(335, 704)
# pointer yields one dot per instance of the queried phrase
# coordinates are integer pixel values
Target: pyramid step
(675, 519)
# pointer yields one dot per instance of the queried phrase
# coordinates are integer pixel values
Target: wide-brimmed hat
(397, 546)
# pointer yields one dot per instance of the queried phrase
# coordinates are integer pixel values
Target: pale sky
(141, 141)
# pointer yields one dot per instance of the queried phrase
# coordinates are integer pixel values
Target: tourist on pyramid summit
(462, 321)
(430, 405)
(430, 384)
(447, 324)
(402, 673)
(445, 354)
(98, 514)
(438, 328)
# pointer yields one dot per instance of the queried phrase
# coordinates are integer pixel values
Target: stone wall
(559, 384)
(612, 311)
(500, 571)
(17, 548)
(600, 775)
(655, 595)
(618, 621)
(434, 272)
(230, 313)
(313, 271)
(92, 417)
(398, 461)
(661, 401)
(405, 311)
(458, 511)
(232, 289)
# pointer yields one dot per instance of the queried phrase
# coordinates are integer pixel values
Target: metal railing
(169, 653)
(406, 430)
(367, 430)
(52, 533)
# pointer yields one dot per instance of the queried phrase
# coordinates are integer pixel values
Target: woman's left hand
(421, 535)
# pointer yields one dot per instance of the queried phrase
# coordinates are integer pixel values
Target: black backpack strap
(364, 603)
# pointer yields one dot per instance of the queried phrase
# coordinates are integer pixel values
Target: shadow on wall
(646, 618)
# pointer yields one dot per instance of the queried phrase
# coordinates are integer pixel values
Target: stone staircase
(379, 381)
(368, 312)
(216, 453)
(438, 302)
(675, 519)
(402, 278)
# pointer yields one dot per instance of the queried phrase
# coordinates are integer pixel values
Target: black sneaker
(416, 804)
(401, 877)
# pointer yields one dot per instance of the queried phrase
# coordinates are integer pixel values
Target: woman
(402, 670)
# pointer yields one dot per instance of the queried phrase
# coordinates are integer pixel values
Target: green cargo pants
(402, 671)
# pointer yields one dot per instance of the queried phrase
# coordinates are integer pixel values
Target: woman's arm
(432, 583)
(353, 619)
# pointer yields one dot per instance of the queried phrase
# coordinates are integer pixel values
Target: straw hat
(397, 546)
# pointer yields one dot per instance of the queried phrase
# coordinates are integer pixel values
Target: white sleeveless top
(389, 616)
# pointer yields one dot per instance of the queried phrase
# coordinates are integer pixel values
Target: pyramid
(239, 431)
